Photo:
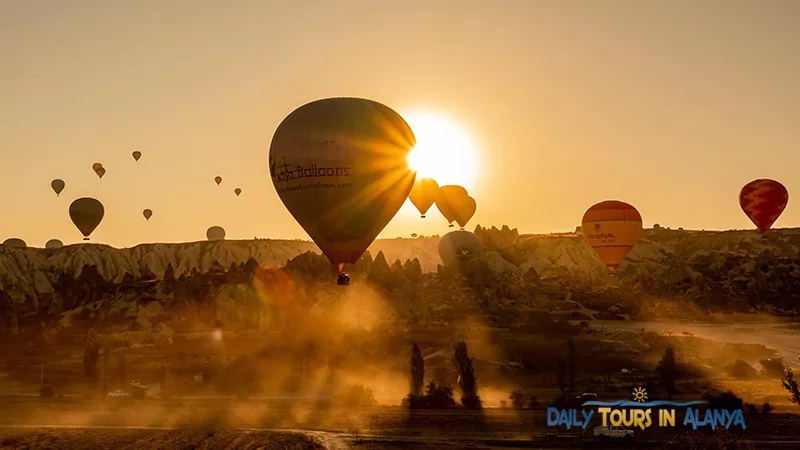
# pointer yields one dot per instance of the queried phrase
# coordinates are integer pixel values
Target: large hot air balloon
(58, 186)
(237, 191)
(449, 200)
(53, 244)
(465, 210)
(763, 201)
(611, 228)
(459, 245)
(339, 166)
(215, 233)
(136, 155)
(218, 180)
(147, 214)
(86, 213)
(15, 243)
(423, 194)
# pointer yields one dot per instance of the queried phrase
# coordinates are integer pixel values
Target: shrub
(766, 408)
(517, 398)
(725, 400)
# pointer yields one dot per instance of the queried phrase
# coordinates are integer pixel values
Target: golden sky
(671, 106)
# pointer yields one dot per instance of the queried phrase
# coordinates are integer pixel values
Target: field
(238, 424)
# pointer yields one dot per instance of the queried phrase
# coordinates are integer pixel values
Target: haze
(670, 106)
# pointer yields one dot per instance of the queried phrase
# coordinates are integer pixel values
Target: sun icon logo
(640, 394)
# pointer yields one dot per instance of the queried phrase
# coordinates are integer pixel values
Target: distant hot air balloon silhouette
(99, 169)
(215, 233)
(339, 166)
(459, 245)
(53, 244)
(763, 201)
(15, 243)
(218, 180)
(86, 213)
(147, 214)
(237, 191)
(58, 186)
(465, 211)
(450, 200)
(423, 194)
(136, 155)
(616, 226)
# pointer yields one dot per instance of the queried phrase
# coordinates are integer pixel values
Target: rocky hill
(731, 270)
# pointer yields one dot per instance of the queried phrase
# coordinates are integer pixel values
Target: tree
(466, 376)
(122, 368)
(518, 399)
(571, 363)
(417, 371)
(91, 353)
(666, 369)
(790, 383)
(562, 375)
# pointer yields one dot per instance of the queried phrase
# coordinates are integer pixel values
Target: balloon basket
(85, 239)
(451, 226)
(422, 216)
(343, 280)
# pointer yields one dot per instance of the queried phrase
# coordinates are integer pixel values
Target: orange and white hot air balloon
(612, 228)
(763, 201)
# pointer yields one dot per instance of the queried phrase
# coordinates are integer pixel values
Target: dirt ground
(153, 439)
(211, 424)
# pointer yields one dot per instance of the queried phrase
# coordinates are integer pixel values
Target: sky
(671, 106)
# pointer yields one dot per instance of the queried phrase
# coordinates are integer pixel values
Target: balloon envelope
(97, 166)
(100, 172)
(86, 213)
(763, 201)
(423, 194)
(57, 185)
(450, 200)
(339, 166)
(215, 233)
(53, 243)
(15, 243)
(218, 180)
(459, 245)
(237, 191)
(136, 155)
(465, 210)
(147, 214)
(611, 228)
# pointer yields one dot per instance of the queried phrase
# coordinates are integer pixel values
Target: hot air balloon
(611, 228)
(763, 201)
(147, 214)
(459, 245)
(15, 243)
(86, 213)
(465, 210)
(215, 233)
(449, 199)
(218, 180)
(58, 186)
(339, 166)
(53, 244)
(423, 194)
(237, 191)
(136, 155)
(99, 169)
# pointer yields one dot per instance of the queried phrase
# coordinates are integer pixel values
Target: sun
(444, 150)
